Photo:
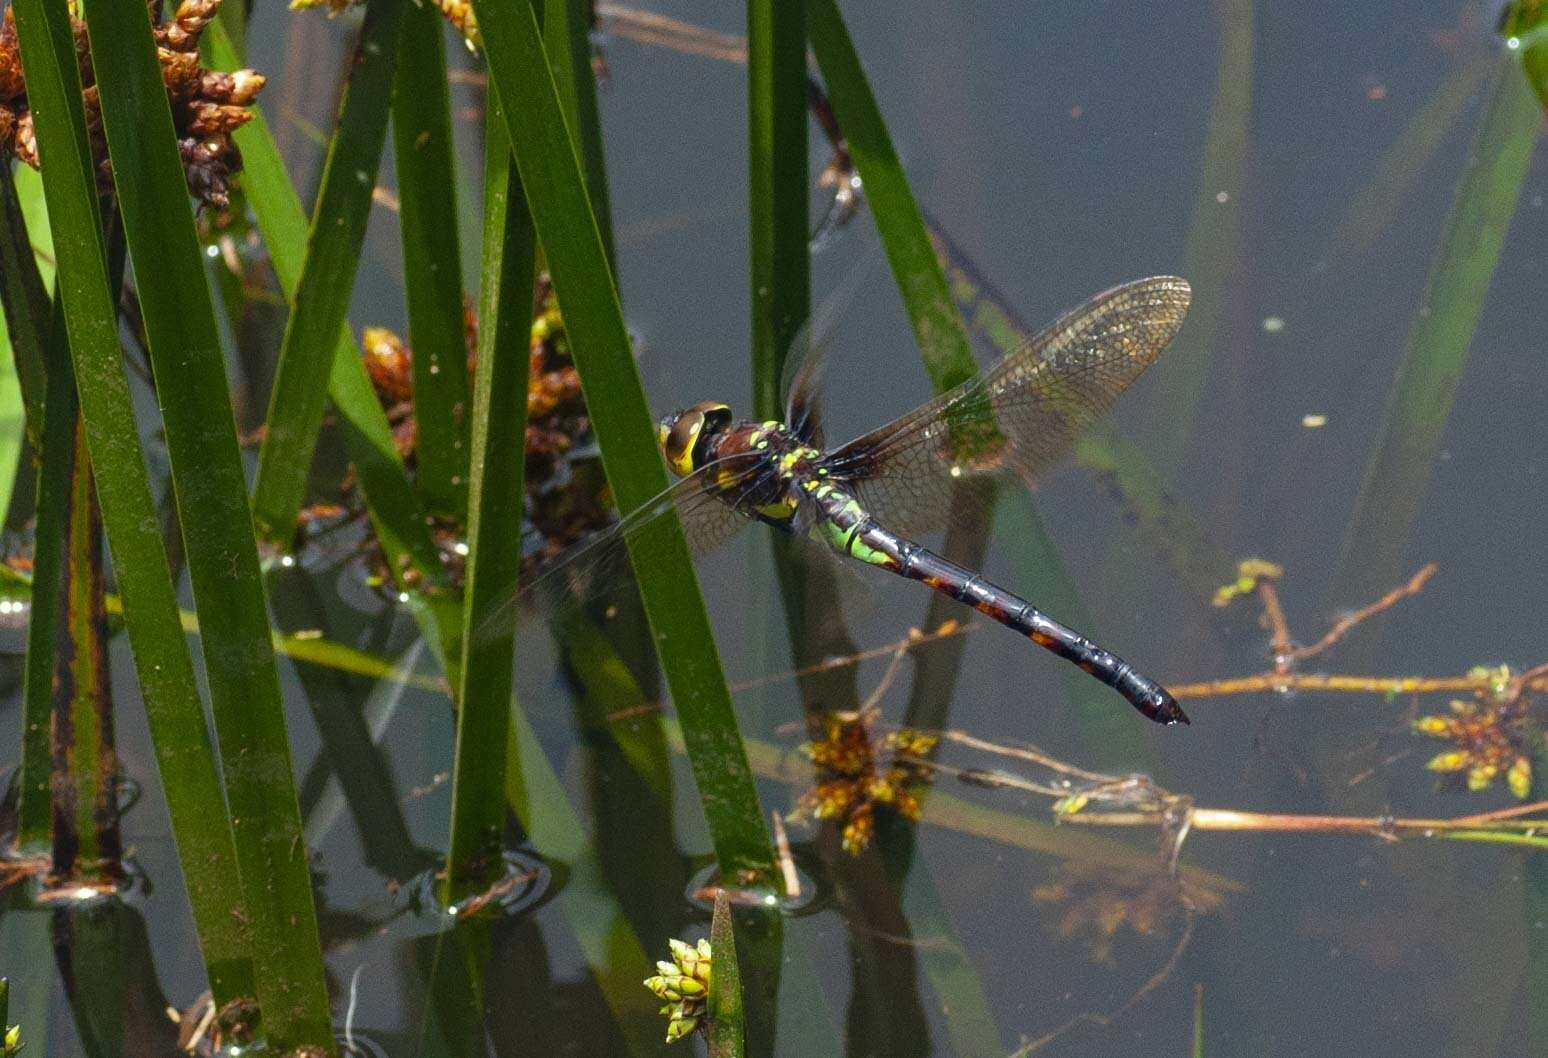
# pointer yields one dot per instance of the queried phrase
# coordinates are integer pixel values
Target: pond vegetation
(267, 569)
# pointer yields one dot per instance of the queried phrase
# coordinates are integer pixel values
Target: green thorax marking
(789, 458)
(839, 527)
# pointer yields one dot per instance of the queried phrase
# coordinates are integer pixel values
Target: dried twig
(1342, 626)
(1279, 628)
(914, 639)
(647, 27)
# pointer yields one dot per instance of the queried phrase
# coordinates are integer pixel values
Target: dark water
(1065, 148)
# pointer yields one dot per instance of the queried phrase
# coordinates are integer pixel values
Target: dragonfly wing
(801, 381)
(595, 567)
(1041, 397)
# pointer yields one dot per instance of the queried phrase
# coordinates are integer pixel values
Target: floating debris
(1100, 902)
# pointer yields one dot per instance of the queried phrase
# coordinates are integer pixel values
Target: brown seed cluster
(565, 497)
(857, 772)
(1490, 737)
(207, 105)
(458, 12)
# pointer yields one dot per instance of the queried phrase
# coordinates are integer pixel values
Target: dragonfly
(867, 499)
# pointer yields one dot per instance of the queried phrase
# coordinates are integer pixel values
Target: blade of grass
(34, 810)
(1168, 526)
(780, 275)
(87, 843)
(453, 965)
(396, 514)
(22, 355)
(24, 309)
(948, 358)
(947, 352)
(1526, 30)
(29, 190)
(567, 28)
(1534, 981)
(1398, 473)
(173, 708)
(1198, 1021)
(1212, 255)
(55, 453)
(494, 518)
(13, 419)
(233, 19)
(549, 164)
(567, 43)
(299, 646)
(1371, 211)
(723, 1007)
(777, 193)
(948, 355)
(628, 773)
(610, 947)
(943, 343)
(958, 987)
(432, 262)
(207, 475)
(327, 277)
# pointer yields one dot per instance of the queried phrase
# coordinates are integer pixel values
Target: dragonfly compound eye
(685, 436)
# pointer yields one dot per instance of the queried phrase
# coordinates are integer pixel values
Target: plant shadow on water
(915, 834)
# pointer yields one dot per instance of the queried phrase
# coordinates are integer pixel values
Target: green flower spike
(683, 983)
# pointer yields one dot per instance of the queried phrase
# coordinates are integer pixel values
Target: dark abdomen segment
(919, 563)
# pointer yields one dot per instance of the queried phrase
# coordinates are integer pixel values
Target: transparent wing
(801, 382)
(1020, 415)
(597, 566)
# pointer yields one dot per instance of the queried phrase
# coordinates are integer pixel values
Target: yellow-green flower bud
(1451, 760)
(1520, 778)
(1480, 776)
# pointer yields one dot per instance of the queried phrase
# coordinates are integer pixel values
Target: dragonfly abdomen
(917, 562)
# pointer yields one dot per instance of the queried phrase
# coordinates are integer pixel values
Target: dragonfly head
(685, 435)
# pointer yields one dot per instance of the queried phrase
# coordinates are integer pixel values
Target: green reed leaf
(397, 517)
(948, 355)
(210, 489)
(495, 513)
(173, 707)
(777, 193)
(327, 277)
(1398, 473)
(724, 1026)
(549, 163)
(432, 263)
